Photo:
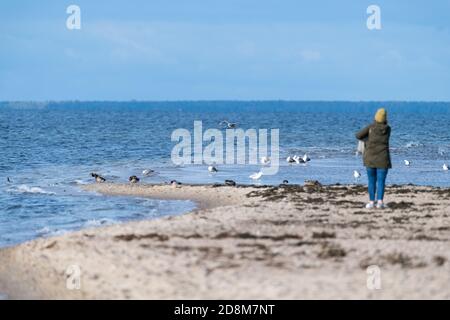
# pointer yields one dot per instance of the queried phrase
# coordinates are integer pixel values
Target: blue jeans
(377, 179)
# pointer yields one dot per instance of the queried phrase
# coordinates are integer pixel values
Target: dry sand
(285, 242)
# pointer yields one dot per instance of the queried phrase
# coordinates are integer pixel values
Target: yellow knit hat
(381, 115)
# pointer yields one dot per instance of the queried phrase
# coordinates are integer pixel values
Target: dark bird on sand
(98, 178)
(133, 179)
(230, 183)
(175, 183)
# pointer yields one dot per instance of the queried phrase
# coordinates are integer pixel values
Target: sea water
(48, 150)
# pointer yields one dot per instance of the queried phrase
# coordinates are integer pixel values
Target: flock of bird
(357, 174)
(445, 166)
(212, 169)
(254, 176)
(295, 159)
(266, 160)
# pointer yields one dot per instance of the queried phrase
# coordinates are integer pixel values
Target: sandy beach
(286, 242)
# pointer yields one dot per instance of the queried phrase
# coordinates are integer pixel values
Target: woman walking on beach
(377, 158)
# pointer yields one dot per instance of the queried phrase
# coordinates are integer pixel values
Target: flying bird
(445, 167)
(407, 163)
(212, 169)
(228, 124)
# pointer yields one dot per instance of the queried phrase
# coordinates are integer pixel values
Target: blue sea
(48, 150)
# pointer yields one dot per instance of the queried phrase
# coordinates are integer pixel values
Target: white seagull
(297, 159)
(256, 176)
(265, 160)
(445, 167)
(407, 163)
(147, 172)
(212, 169)
(356, 175)
(290, 159)
(306, 158)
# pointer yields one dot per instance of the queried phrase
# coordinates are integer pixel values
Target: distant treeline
(239, 106)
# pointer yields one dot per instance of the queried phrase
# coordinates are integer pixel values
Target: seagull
(256, 176)
(407, 163)
(133, 179)
(290, 159)
(148, 172)
(175, 183)
(306, 158)
(98, 178)
(445, 167)
(265, 160)
(8, 179)
(229, 125)
(297, 159)
(212, 169)
(356, 175)
(285, 182)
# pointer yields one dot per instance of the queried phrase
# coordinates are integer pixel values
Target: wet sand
(286, 242)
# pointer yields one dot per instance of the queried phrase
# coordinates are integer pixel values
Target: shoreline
(248, 242)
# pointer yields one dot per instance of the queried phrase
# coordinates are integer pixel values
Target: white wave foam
(78, 181)
(413, 144)
(98, 222)
(47, 232)
(23, 188)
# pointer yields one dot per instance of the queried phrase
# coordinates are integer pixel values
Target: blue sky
(229, 49)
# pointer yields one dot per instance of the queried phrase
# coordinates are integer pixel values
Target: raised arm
(363, 134)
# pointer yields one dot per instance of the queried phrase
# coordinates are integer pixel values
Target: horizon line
(223, 100)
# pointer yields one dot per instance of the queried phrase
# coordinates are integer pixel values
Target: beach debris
(148, 172)
(230, 183)
(306, 158)
(265, 160)
(98, 178)
(356, 174)
(256, 176)
(212, 169)
(407, 163)
(312, 185)
(133, 179)
(445, 167)
(229, 125)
